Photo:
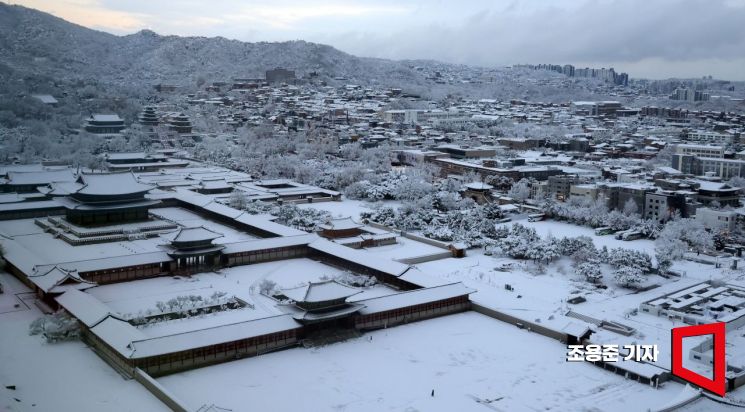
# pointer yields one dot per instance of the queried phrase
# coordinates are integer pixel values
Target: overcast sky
(646, 38)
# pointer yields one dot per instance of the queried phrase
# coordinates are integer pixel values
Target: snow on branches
(56, 327)
(678, 237)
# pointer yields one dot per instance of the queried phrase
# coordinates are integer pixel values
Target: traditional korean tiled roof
(340, 224)
(50, 278)
(320, 292)
(107, 184)
(196, 234)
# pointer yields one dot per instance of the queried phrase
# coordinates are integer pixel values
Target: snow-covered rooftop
(84, 307)
(320, 292)
(111, 184)
(195, 234)
(341, 224)
(414, 297)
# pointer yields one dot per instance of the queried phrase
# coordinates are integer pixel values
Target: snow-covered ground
(404, 248)
(347, 207)
(240, 281)
(465, 358)
(472, 362)
(64, 376)
(542, 296)
(561, 229)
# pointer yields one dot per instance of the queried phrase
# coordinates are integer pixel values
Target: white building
(705, 136)
(716, 219)
(411, 116)
(700, 150)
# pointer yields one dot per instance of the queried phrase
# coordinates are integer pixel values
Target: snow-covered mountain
(33, 42)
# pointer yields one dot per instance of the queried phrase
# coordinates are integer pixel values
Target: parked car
(602, 231)
(535, 217)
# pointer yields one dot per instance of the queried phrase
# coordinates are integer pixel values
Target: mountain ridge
(35, 42)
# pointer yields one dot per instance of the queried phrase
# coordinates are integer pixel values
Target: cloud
(286, 17)
(90, 13)
(615, 31)
(654, 38)
(271, 16)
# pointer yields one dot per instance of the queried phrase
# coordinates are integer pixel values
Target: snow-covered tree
(267, 287)
(56, 327)
(520, 242)
(238, 199)
(568, 246)
(303, 219)
(630, 207)
(628, 276)
(590, 271)
(620, 258)
(438, 232)
(445, 201)
(544, 250)
(678, 237)
(410, 188)
(520, 191)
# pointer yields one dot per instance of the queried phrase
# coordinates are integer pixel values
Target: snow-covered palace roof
(340, 224)
(320, 292)
(195, 234)
(107, 184)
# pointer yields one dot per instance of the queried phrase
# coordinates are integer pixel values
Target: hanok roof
(28, 206)
(40, 178)
(133, 156)
(196, 234)
(214, 184)
(269, 243)
(46, 98)
(359, 257)
(133, 344)
(576, 329)
(51, 280)
(84, 307)
(414, 297)
(304, 316)
(106, 118)
(111, 184)
(479, 186)
(320, 292)
(341, 224)
(112, 262)
(60, 188)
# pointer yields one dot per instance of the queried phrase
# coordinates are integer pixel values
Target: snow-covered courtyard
(64, 376)
(471, 362)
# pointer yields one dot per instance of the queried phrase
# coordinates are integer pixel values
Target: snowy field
(472, 362)
(65, 376)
